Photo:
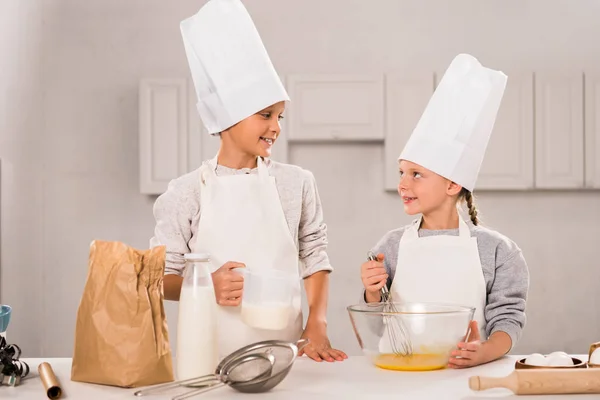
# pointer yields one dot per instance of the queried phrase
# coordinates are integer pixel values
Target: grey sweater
(504, 269)
(177, 213)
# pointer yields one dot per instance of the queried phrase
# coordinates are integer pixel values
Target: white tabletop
(354, 378)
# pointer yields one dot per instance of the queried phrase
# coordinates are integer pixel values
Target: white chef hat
(232, 72)
(452, 135)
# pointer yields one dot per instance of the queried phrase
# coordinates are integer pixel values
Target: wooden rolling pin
(543, 381)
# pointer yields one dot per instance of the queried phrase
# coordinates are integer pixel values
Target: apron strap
(463, 228)
(263, 172)
(207, 174)
(208, 170)
(412, 232)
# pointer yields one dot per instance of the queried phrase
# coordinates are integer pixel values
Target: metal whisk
(398, 334)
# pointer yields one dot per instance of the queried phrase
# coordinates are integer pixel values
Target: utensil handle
(197, 392)
(159, 388)
(543, 381)
(478, 383)
(385, 293)
(559, 381)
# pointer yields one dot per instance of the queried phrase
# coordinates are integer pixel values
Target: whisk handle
(385, 293)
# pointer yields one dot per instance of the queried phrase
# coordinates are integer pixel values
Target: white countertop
(354, 378)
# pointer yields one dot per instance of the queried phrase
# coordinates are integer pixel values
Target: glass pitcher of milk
(197, 345)
(267, 299)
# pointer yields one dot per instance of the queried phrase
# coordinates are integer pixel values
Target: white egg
(536, 359)
(557, 353)
(559, 360)
(595, 358)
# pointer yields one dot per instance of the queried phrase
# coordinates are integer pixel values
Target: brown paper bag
(121, 335)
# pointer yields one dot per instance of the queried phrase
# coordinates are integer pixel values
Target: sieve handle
(197, 391)
(158, 388)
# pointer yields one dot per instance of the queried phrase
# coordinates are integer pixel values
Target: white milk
(197, 352)
(269, 316)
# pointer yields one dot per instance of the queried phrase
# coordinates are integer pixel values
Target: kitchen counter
(354, 378)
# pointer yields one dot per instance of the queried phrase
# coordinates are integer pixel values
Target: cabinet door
(163, 128)
(559, 130)
(196, 134)
(592, 131)
(407, 95)
(509, 159)
(335, 107)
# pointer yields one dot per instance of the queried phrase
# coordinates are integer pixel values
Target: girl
(442, 257)
(243, 209)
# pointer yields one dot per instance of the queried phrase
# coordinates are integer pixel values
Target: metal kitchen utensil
(255, 368)
(398, 334)
(12, 370)
(235, 373)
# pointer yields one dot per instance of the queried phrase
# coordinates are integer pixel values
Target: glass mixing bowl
(432, 329)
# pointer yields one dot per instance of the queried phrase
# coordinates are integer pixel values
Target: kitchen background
(97, 114)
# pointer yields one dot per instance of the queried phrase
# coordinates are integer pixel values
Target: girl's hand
(471, 352)
(228, 284)
(319, 348)
(374, 277)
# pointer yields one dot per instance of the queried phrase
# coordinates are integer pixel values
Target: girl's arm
(504, 313)
(315, 269)
(172, 286)
(312, 231)
(507, 298)
(174, 211)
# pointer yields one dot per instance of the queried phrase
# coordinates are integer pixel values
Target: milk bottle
(197, 352)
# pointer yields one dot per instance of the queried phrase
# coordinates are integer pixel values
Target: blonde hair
(467, 196)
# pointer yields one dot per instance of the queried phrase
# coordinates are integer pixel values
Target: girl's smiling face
(255, 135)
(423, 191)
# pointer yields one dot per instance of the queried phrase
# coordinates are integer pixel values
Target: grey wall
(69, 73)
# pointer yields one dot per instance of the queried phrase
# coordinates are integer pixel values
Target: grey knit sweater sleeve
(504, 268)
(177, 213)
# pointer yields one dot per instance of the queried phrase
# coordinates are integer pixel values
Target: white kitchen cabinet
(335, 107)
(407, 95)
(559, 130)
(509, 160)
(196, 134)
(592, 131)
(169, 132)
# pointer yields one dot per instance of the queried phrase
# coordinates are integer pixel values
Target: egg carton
(594, 356)
(560, 360)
